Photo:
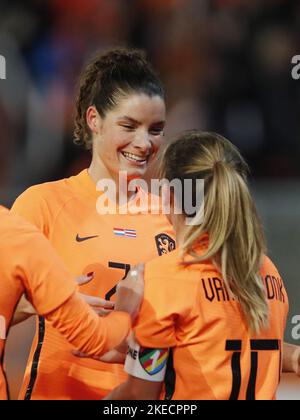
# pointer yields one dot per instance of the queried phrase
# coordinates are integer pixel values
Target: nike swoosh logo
(85, 238)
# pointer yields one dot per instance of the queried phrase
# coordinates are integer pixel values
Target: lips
(136, 159)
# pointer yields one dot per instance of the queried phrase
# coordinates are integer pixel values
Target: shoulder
(163, 265)
(268, 267)
(168, 273)
(16, 233)
(40, 204)
(59, 190)
(48, 196)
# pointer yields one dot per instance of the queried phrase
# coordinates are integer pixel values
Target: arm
(25, 310)
(146, 370)
(291, 358)
(52, 291)
(95, 336)
(129, 297)
(136, 389)
(85, 330)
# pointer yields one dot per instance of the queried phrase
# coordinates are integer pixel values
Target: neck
(98, 170)
(179, 227)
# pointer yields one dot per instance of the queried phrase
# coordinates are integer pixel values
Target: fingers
(112, 356)
(140, 276)
(130, 292)
(102, 312)
(102, 307)
(141, 269)
(97, 302)
(84, 279)
(80, 354)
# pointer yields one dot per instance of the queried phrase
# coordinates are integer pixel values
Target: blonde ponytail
(236, 238)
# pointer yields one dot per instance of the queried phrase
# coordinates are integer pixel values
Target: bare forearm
(24, 310)
(120, 393)
(136, 389)
(127, 392)
(291, 358)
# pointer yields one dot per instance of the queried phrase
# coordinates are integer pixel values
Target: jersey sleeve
(169, 295)
(32, 206)
(52, 290)
(46, 280)
(85, 330)
(155, 325)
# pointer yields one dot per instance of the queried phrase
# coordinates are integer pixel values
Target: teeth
(134, 157)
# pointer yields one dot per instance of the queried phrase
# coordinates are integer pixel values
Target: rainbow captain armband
(145, 363)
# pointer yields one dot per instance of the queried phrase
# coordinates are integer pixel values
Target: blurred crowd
(226, 66)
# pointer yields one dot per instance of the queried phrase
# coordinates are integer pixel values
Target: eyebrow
(132, 120)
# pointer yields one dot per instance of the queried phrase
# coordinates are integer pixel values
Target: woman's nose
(142, 141)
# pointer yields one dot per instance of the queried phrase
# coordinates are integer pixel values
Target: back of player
(215, 356)
(217, 302)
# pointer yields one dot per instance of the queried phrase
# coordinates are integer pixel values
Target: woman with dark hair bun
(120, 117)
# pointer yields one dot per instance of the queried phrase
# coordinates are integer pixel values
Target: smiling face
(128, 137)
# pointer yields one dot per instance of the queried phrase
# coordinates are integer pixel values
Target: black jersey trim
(36, 359)
(170, 378)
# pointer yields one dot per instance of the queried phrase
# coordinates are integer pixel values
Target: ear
(93, 119)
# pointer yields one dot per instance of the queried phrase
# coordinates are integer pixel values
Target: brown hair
(105, 79)
(236, 238)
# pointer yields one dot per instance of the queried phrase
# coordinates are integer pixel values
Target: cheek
(114, 142)
(157, 142)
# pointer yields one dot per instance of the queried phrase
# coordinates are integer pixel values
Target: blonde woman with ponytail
(217, 305)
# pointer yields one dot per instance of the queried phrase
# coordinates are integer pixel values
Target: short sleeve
(31, 206)
(155, 325)
(47, 281)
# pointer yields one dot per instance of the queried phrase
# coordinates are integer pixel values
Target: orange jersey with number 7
(215, 356)
(107, 245)
(28, 264)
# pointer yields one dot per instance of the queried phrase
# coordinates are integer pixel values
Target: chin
(136, 174)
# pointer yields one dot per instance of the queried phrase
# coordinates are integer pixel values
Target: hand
(113, 356)
(117, 355)
(130, 292)
(102, 307)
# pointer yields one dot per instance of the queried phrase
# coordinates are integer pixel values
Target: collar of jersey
(88, 186)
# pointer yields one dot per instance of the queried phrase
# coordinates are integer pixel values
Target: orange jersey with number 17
(215, 356)
(108, 245)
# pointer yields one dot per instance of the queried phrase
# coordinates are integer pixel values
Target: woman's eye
(128, 127)
(156, 131)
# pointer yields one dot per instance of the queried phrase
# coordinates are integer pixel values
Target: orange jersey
(108, 245)
(214, 354)
(28, 264)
